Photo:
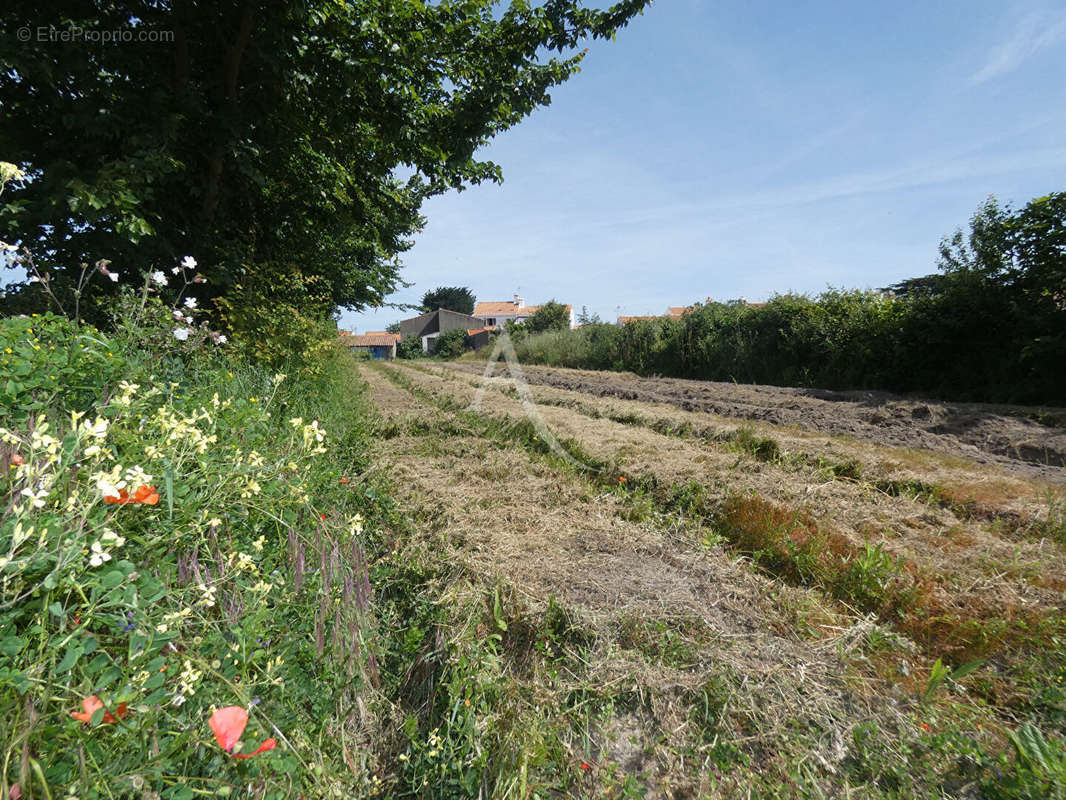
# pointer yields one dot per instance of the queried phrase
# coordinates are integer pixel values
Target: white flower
(175, 270)
(112, 538)
(188, 319)
(190, 302)
(188, 262)
(113, 276)
(99, 555)
(181, 334)
(177, 315)
(222, 338)
(36, 498)
(159, 277)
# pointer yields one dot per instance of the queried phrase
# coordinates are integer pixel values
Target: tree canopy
(268, 140)
(551, 316)
(453, 298)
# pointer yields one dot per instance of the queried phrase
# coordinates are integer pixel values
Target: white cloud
(1033, 33)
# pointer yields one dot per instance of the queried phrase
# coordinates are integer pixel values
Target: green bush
(410, 347)
(48, 362)
(451, 344)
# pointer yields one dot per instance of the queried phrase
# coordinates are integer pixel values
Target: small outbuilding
(428, 327)
(377, 344)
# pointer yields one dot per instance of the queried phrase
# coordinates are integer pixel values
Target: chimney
(518, 302)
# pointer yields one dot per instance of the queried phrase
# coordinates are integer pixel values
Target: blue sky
(742, 149)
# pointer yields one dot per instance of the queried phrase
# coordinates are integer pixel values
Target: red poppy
(322, 517)
(924, 726)
(92, 704)
(342, 480)
(145, 494)
(585, 766)
(228, 724)
(622, 480)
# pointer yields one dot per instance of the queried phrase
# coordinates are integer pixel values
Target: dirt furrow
(971, 561)
(1025, 440)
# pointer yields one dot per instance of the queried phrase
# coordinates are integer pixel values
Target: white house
(495, 313)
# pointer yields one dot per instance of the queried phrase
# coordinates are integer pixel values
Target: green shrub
(451, 344)
(48, 362)
(410, 347)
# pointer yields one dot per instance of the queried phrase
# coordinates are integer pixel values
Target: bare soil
(1026, 440)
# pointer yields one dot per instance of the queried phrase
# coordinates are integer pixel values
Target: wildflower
(621, 479)
(342, 481)
(177, 315)
(924, 726)
(97, 429)
(99, 555)
(181, 334)
(188, 320)
(586, 766)
(92, 704)
(188, 262)
(228, 724)
(36, 498)
(17, 460)
(175, 270)
(159, 277)
(190, 302)
(145, 494)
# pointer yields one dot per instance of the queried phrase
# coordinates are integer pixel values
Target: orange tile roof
(396, 336)
(370, 340)
(625, 320)
(492, 308)
(473, 331)
(507, 307)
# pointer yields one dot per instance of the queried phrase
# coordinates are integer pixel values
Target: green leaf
(10, 645)
(112, 579)
(69, 659)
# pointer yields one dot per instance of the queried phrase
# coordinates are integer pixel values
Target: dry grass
(654, 627)
(900, 551)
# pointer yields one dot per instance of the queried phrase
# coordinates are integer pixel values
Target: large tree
(269, 140)
(453, 298)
